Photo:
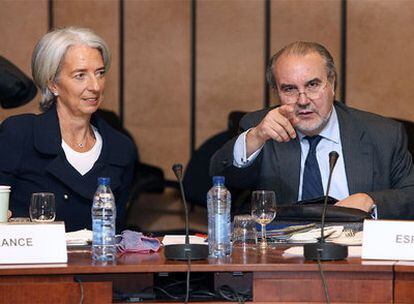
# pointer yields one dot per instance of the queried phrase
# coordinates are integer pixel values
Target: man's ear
(333, 82)
(275, 92)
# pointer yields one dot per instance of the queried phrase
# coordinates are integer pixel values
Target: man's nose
(303, 98)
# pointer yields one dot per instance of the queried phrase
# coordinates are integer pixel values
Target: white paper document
(79, 237)
(334, 234)
(180, 239)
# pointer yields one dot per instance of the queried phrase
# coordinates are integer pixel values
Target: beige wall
(380, 69)
(157, 79)
(22, 23)
(316, 20)
(230, 71)
(103, 17)
(229, 58)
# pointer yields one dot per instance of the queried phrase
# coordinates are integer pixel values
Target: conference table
(272, 276)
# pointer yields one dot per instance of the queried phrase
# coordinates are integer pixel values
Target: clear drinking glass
(42, 207)
(263, 210)
(244, 231)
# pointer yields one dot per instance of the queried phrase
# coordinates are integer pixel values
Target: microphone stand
(185, 251)
(321, 250)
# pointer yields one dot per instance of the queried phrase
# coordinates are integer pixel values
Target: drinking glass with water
(42, 207)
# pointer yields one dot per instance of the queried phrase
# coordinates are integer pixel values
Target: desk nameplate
(30, 243)
(388, 240)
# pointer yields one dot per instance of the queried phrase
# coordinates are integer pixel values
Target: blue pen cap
(218, 180)
(104, 181)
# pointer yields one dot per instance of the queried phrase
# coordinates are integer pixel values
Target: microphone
(185, 251)
(178, 171)
(333, 157)
(321, 250)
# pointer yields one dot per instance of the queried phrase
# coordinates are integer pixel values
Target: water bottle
(219, 224)
(103, 222)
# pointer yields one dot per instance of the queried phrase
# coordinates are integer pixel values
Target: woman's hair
(50, 51)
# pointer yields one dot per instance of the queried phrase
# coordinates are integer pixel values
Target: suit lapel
(357, 152)
(289, 156)
(64, 172)
(48, 142)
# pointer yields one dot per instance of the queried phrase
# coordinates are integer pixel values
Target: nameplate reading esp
(30, 243)
(388, 240)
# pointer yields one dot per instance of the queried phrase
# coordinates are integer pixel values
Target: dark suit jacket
(375, 153)
(32, 160)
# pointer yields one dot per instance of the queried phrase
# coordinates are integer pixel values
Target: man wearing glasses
(286, 148)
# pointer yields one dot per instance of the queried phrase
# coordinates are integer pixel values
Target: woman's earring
(55, 93)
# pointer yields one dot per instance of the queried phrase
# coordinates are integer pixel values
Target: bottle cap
(104, 181)
(218, 180)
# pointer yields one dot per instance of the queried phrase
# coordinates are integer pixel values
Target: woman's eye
(100, 74)
(80, 76)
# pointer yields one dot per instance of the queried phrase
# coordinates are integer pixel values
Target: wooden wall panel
(103, 18)
(380, 68)
(230, 64)
(316, 20)
(230, 58)
(157, 79)
(22, 23)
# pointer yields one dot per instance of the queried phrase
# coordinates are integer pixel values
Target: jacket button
(65, 197)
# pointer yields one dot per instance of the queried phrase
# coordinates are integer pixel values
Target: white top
(84, 161)
(331, 141)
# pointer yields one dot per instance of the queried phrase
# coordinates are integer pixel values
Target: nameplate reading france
(30, 243)
(388, 240)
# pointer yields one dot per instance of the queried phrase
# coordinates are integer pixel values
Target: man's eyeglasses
(312, 90)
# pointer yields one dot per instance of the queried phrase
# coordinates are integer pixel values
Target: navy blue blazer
(32, 160)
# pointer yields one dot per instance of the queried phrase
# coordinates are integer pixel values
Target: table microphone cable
(187, 285)
(325, 286)
(230, 294)
(79, 281)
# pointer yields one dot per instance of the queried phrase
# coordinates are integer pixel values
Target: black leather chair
(16, 89)
(409, 127)
(148, 178)
(196, 179)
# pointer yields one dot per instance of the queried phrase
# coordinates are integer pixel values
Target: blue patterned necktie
(312, 181)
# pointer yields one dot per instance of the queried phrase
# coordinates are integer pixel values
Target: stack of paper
(313, 235)
(180, 239)
(347, 238)
(78, 238)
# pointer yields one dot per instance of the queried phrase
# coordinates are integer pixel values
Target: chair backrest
(16, 89)
(409, 128)
(234, 121)
(147, 178)
(197, 180)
